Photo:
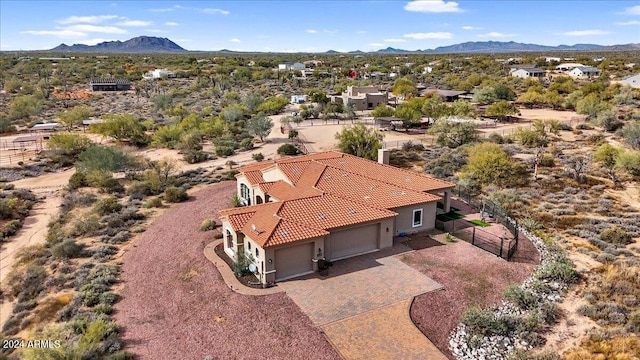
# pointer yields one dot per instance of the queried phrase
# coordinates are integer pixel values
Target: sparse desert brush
(623, 348)
(208, 224)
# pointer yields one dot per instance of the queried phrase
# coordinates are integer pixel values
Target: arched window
(229, 239)
(258, 199)
(245, 194)
(257, 253)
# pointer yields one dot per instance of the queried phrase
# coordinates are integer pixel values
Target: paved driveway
(363, 306)
(358, 285)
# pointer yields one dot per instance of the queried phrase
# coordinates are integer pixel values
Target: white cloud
(634, 10)
(376, 44)
(630, 22)
(429, 35)
(162, 10)
(94, 41)
(215, 11)
(495, 34)
(95, 19)
(63, 33)
(329, 31)
(361, 32)
(235, 40)
(432, 6)
(591, 32)
(171, 23)
(97, 29)
(135, 23)
(394, 40)
(471, 28)
(311, 31)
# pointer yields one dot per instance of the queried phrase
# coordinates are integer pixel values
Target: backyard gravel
(469, 276)
(175, 304)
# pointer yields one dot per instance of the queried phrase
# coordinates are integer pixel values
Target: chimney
(383, 156)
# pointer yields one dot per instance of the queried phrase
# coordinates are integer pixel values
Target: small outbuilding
(111, 84)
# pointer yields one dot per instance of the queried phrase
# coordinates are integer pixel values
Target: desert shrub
(208, 224)
(142, 187)
(530, 224)
(27, 286)
(546, 161)
(25, 305)
(584, 126)
(224, 150)
(246, 144)
(11, 326)
(103, 308)
(90, 293)
(288, 149)
(9, 229)
(257, 157)
(78, 180)
(107, 206)
(595, 139)
(410, 146)
(195, 156)
(616, 235)
(522, 298)
(559, 270)
(153, 202)
(104, 252)
(67, 249)
(174, 194)
(479, 320)
(108, 298)
(118, 238)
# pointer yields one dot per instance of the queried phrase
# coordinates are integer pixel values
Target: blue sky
(316, 26)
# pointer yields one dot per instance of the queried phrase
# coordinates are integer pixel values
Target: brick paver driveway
(364, 304)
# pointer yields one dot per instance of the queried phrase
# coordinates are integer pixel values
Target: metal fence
(498, 245)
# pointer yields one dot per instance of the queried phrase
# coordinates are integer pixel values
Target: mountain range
(150, 44)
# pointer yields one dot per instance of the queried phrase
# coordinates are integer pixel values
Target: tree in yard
(122, 127)
(463, 108)
(331, 111)
(434, 108)
(104, 158)
(591, 106)
(74, 116)
(359, 140)
(230, 164)
(486, 95)
(504, 92)
(317, 96)
(233, 113)
(410, 111)
(489, 164)
(382, 110)
(260, 126)
(162, 169)
(404, 88)
(502, 109)
(70, 145)
(530, 99)
(607, 156)
(453, 134)
(631, 134)
(23, 107)
(576, 166)
(272, 105)
(288, 149)
(167, 136)
(540, 134)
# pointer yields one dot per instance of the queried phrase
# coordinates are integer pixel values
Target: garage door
(353, 241)
(293, 261)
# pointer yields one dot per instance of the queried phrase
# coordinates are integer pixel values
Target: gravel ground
(469, 275)
(175, 304)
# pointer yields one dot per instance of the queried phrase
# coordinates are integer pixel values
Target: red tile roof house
(326, 205)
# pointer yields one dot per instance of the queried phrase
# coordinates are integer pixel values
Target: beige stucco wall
(274, 174)
(404, 220)
(269, 254)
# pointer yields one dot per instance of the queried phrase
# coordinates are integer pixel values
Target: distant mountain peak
(140, 44)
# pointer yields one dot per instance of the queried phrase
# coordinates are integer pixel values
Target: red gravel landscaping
(469, 276)
(175, 304)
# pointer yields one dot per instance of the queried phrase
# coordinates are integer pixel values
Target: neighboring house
(631, 80)
(362, 97)
(427, 70)
(326, 206)
(159, 74)
(110, 84)
(567, 66)
(514, 67)
(299, 99)
(524, 73)
(291, 66)
(581, 71)
(446, 95)
(552, 59)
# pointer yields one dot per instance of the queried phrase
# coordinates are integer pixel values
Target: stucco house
(291, 66)
(362, 97)
(325, 205)
(533, 72)
(159, 74)
(631, 80)
(581, 71)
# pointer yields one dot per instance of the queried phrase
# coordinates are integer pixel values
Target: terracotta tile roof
(371, 192)
(386, 173)
(257, 166)
(293, 170)
(287, 231)
(266, 186)
(329, 212)
(254, 177)
(282, 191)
(238, 221)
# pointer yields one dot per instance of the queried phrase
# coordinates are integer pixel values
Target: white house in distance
(584, 71)
(631, 80)
(567, 66)
(291, 66)
(159, 74)
(362, 97)
(326, 205)
(533, 72)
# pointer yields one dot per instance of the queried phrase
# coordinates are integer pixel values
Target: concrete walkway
(230, 278)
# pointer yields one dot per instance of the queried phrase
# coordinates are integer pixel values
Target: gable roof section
(374, 193)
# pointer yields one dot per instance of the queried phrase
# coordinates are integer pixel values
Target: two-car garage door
(295, 260)
(354, 241)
